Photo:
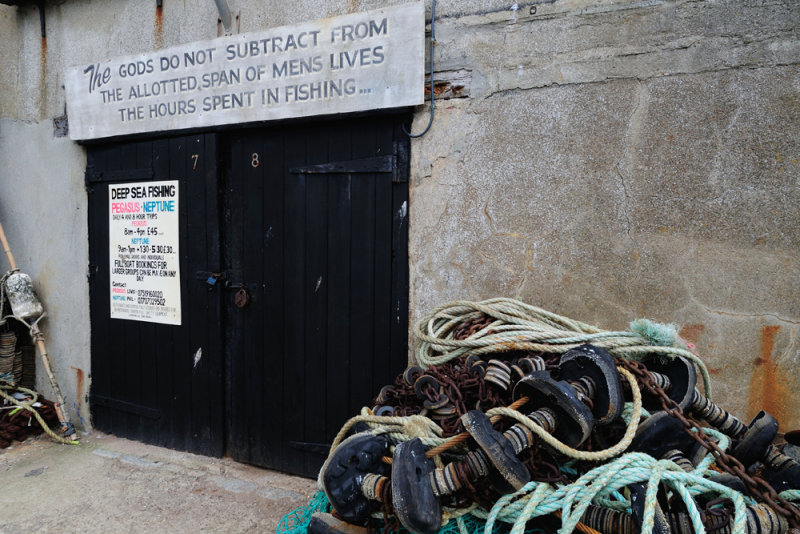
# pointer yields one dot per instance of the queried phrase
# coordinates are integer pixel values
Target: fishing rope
(592, 456)
(28, 406)
(540, 498)
(520, 326)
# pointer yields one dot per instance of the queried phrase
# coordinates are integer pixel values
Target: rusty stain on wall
(43, 77)
(768, 385)
(691, 332)
(158, 29)
(80, 380)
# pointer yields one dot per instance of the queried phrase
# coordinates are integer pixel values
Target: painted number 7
(195, 157)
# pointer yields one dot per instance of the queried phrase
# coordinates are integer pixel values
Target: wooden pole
(7, 249)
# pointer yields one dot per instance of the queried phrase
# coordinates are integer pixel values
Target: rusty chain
(757, 485)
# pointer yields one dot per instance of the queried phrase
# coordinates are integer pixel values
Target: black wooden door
(316, 231)
(158, 383)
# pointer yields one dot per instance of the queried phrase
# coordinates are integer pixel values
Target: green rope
(520, 326)
(790, 495)
(538, 498)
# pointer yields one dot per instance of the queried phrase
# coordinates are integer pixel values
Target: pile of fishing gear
(519, 420)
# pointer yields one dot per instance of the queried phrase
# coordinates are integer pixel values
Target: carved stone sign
(363, 61)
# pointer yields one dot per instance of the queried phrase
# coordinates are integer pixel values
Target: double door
(294, 289)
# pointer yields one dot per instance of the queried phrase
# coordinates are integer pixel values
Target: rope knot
(418, 426)
(662, 335)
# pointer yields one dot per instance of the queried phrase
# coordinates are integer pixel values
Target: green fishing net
(296, 521)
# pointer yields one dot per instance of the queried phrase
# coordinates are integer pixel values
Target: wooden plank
(201, 352)
(233, 253)
(362, 257)
(146, 340)
(181, 352)
(272, 245)
(193, 204)
(317, 283)
(338, 312)
(253, 269)
(294, 302)
(163, 334)
(213, 391)
(382, 310)
(400, 284)
(98, 294)
(384, 144)
(125, 356)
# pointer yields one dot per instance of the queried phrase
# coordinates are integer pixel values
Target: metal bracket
(371, 165)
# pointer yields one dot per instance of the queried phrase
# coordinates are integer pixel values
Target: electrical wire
(433, 106)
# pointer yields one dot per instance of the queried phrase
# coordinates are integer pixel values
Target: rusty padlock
(241, 298)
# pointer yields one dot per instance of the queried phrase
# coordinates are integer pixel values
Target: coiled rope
(520, 326)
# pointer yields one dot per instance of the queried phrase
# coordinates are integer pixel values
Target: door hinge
(93, 175)
(371, 165)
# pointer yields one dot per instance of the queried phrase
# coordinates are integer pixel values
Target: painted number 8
(254, 160)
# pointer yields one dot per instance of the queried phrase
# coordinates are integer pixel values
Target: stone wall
(620, 161)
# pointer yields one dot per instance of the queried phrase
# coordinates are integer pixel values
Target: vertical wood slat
(273, 292)
(181, 385)
(252, 274)
(362, 286)
(400, 221)
(317, 287)
(294, 304)
(98, 288)
(339, 342)
(145, 340)
(162, 352)
(382, 374)
(316, 283)
(234, 322)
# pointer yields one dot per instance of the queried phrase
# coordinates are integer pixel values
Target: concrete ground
(108, 484)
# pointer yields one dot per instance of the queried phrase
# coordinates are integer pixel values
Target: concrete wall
(613, 160)
(625, 160)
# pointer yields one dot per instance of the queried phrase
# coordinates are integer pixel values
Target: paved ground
(112, 485)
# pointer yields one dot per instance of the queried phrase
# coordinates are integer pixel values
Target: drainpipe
(224, 15)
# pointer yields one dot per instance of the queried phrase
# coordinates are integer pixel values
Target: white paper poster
(143, 252)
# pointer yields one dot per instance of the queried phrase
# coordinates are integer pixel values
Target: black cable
(433, 42)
